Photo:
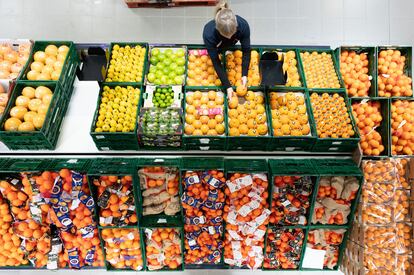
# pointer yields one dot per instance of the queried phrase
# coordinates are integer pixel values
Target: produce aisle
(156, 169)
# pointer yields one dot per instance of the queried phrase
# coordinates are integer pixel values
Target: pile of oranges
(368, 117)
(391, 78)
(290, 66)
(402, 127)
(123, 248)
(247, 115)
(200, 69)
(10, 253)
(289, 114)
(203, 220)
(204, 113)
(319, 70)
(354, 70)
(246, 200)
(117, 205)
(331, 116)
(163, 248)
(234, 68)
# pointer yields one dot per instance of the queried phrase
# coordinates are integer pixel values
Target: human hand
(244, 81)
(230, 93)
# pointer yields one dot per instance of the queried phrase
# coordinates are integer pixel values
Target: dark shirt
(215, 42)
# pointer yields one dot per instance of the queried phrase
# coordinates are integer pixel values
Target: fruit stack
(368, 118)
(234, 68)
(200, 69)
(402, 127)
(382, 235)
(203, 202)
(13, 57)
(394, 79)
(50, 209)
(356, 71)
(126, 63)
(167, 66)
(246, 215)
(320, 70)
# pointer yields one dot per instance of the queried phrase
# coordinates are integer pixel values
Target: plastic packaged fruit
(234, 68)
(13, 59)
(319, 70)
(48, 64)
(163, 97)
(204, 113)
(163, 248)
(30, 109)
(289, 114)
(247, 115)
(354, 70)
(115, 200)
(392, 80)
(368, 117)
(402, 127)
(167, 66)
(331, 116)
(200, 69)
(123, 248)
(126, 64)
(118, 109)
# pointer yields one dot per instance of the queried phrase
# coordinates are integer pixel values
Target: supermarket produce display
(169, 213)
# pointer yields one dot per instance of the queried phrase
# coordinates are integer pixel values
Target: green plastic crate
(165, 46)
(231, 49)
(45, 138)
(372, 66)
(105, 141)
(205, 143)
(246, 166)
(335, 63)
(337, 144)
(305, 232)
(384, 129)
(341, 247)
(108, 266)
(250, 143)
(197, 47)
(114, 167)
(69, 66)
(16, 165)
(180, 229)
(77, 164)
(406, 51)
(292, 143)
(298, 66)
(159, 220)
(109, 58)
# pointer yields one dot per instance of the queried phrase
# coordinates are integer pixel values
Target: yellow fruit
(18, 112)
(233, 103)
(12, 124)
(262, 129)
(220, 129)
(241, 91)
(26, 126)
(234, 132)
(234, 123)
(38, 121)
(28, 92)
(189, 129)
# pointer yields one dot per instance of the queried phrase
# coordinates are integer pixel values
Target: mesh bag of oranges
(320, 70)
(368, 118)
(163, 248)
(355, 72)
(284, 248)
(203, 201)
(334, 199)
(115, 200)
(328, 240)
(393, 79)
(402, 127)
(204, 113)
(289, 114)
(246, 214)
(234, 68)
(291, 200)
(159, 187)
(331, 116)
(200, 69)
(123, 248)
(247, 114)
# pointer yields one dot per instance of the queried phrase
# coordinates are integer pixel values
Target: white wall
(332, 22)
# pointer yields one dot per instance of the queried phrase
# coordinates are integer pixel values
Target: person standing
(226, 30)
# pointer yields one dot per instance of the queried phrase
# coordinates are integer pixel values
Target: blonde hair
(226, 22)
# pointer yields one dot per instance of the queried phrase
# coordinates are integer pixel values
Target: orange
(204, 119)
(189, 129)
(220, 129)
(234, 132)
(212, 123)
(243, 129)
(219, 118)
(234, 123)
